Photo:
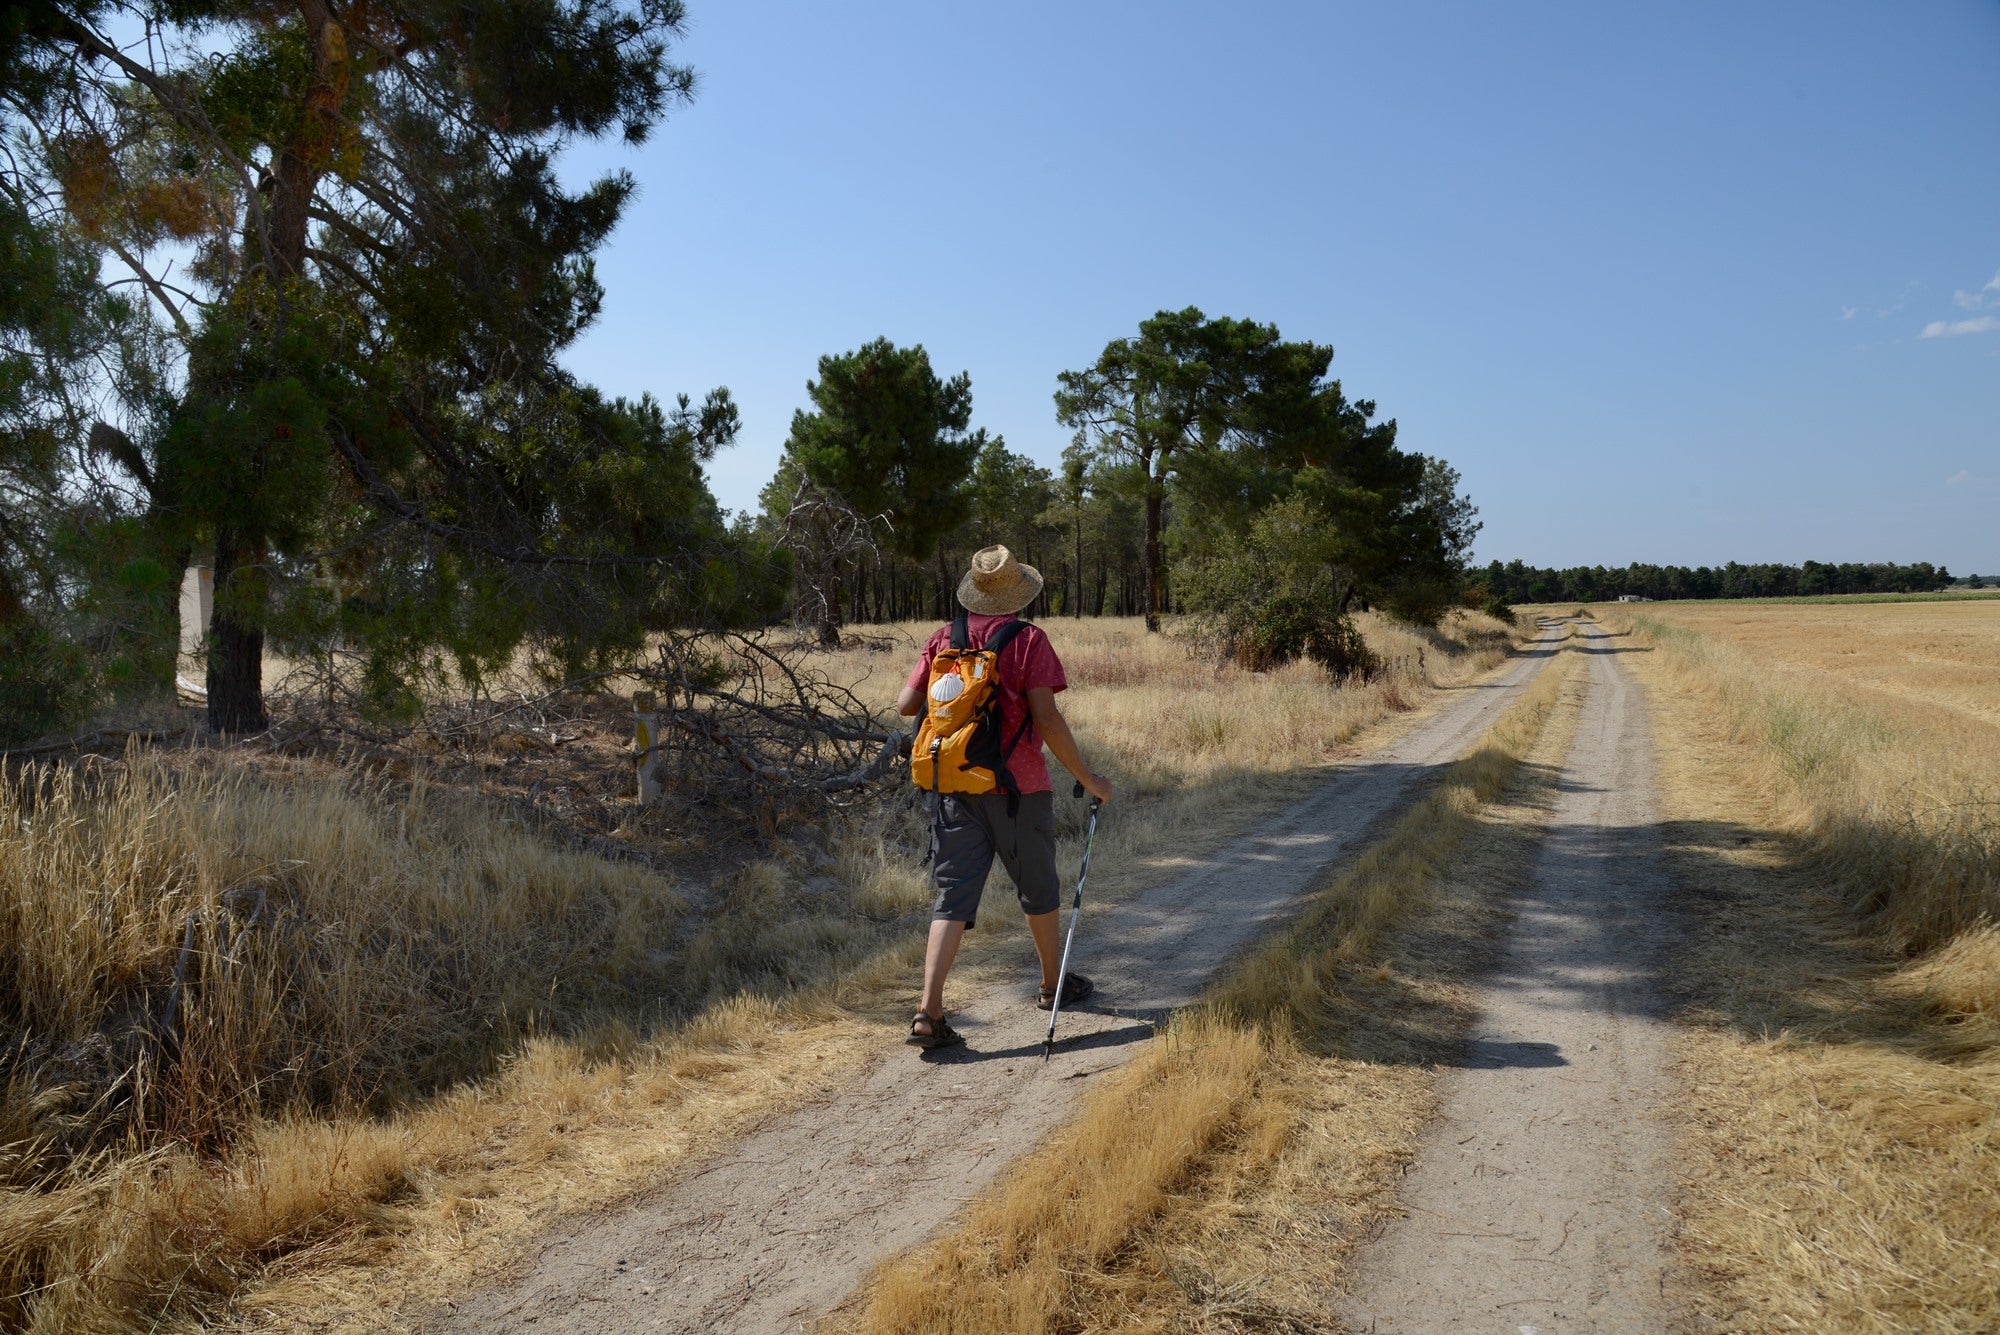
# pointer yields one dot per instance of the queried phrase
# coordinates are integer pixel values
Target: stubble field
(1831, 794)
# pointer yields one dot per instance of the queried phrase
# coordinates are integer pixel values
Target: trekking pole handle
(1095, 802)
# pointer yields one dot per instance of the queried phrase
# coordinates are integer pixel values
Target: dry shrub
(1213, 1105)
(380, 945)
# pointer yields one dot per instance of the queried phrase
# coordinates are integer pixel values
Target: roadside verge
(1841, 1048)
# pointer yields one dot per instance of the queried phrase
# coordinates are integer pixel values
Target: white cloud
(1847, 312)
(1972, 301)
(1953, 328)
(1959, 478)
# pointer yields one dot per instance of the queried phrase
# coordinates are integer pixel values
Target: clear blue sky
(1657, 281)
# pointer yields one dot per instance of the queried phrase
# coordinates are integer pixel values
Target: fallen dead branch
(102, 739)
(761, 706)
(740, 714)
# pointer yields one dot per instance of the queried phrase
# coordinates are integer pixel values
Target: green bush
(45, 683)
(1270, 596)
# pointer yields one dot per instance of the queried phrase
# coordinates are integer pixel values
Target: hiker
(1004, 805)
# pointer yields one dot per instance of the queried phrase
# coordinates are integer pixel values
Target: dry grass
(1896, 796)
(442, 1027)
(407, 942)
(1270, 1117)
(1843, 1066)
(1938, 653)
(1167, 721)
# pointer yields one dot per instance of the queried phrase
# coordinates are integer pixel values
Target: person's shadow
(1116, 1037)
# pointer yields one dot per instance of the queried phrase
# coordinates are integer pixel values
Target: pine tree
(374, 437)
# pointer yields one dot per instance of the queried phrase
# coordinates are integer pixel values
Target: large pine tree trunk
(236, 644)
(236, 639)
(11, 606)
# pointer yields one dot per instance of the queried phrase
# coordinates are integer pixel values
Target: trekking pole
(1075, 912)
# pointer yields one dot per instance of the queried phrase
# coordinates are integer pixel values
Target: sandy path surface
(1539, 1203)
(777, 1230)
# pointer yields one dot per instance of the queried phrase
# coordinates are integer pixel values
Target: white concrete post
(197, 607)
(646, 740)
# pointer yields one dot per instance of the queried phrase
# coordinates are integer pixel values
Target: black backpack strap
(1004, 775)
(961, 631)
(1002, 635)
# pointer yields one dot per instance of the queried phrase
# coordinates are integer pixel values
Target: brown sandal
(941, 1035)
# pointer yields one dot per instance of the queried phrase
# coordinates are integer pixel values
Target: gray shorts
(970, 829)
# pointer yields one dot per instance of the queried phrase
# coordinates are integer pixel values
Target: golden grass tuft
(159, 1155)
(1075, 1205)
(1233, 1118)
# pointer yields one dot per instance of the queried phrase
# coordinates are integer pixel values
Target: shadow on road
(1086, 1042)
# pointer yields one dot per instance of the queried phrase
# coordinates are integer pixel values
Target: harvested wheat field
(1940, 653)
(412, 1026)
(1830, 800)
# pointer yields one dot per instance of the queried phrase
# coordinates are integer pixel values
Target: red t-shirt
(1028, 661)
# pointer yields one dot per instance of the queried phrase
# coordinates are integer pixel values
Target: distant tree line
(1514, 582)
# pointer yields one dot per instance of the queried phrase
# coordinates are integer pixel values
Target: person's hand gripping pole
(1075, 912)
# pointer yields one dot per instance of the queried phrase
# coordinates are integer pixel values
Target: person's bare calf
(942, 951)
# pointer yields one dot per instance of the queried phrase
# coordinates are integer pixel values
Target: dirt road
(1539, 1202)
(779, 1229)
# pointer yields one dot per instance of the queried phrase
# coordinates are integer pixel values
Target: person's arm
(911, 702)
(1049, 721)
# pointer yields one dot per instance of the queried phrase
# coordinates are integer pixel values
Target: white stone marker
(646, 740)
(197, 607)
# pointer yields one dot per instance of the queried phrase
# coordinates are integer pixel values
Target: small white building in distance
(1632, 598)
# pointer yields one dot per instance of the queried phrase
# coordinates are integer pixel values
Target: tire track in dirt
(777, 1230)
(1540, 1201)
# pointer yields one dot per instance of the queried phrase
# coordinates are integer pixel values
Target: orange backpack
(959, 748)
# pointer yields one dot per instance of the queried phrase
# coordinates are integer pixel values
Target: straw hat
(998, 584)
